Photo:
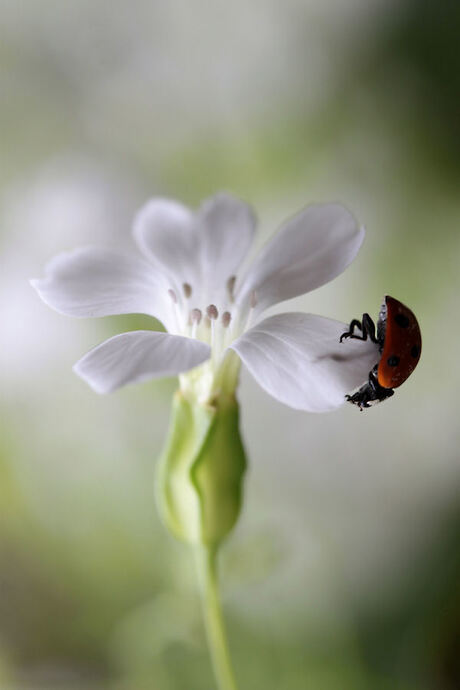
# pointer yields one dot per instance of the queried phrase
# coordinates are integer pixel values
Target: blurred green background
(343, 573)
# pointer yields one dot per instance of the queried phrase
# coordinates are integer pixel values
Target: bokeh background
(343, 571)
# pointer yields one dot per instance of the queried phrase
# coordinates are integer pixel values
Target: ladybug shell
(402, 344)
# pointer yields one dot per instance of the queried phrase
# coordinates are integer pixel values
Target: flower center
(217, 323)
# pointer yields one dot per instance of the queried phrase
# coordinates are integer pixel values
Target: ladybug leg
(350, 333)
(366, 326)
(369, 329)
(370, 393)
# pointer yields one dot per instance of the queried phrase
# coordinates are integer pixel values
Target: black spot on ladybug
(402, 321)
(393, 361)
(415, 351)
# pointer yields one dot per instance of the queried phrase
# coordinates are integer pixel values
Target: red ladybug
(400, 344)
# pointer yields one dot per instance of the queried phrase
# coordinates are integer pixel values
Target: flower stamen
(187, 289)
(212, 312)
(195, 319)
(196, 315)
(226, 318)
(231, 288)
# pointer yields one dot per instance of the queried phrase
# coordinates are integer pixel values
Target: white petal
(137, 356)
(227, 227)
(97, 282)
(311, 249)
(298, 359)
(166, 233)
(202, 249)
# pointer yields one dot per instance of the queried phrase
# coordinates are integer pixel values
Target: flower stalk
(206, 560)
(199, 489)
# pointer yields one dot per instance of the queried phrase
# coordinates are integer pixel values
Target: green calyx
(199, 482)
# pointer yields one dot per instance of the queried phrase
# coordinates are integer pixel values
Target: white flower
(188, 279)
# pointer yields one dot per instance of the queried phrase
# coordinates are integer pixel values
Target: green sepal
(200, 472)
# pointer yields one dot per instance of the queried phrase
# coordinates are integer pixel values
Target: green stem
(213, 617)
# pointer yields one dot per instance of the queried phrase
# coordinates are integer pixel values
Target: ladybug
(400, 345)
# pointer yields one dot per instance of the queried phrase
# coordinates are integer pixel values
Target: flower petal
(165, 232)
(299, 360)
(137, 356)
(202, 249)
(98, 282)
(227, 227)
(311, 249)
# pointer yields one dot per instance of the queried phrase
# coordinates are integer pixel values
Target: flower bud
(199, 482)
